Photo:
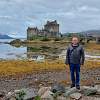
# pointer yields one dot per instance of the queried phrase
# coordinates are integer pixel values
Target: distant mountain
(5, 37)
(91, 32)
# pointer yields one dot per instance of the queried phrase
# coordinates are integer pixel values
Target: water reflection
(41, 53)
(37, 53)
(10, 52)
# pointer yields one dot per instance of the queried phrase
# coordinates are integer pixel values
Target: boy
(75, 58)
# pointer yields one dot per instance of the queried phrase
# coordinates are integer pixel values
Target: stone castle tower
(31, 32)
(51, 29)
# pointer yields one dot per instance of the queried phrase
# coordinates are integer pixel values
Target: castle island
(50, 29)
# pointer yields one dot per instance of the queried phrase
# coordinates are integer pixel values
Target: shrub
(45, 39)
(57, 39)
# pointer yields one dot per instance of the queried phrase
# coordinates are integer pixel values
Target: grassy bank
(14, 67)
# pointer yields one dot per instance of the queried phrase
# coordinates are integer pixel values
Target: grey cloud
(73, 15)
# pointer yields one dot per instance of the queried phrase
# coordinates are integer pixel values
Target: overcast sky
(72, 15)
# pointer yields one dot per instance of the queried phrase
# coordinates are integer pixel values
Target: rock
(12, 98)
(57, 88)
(15, 41)
(48, 95)
(86, 90)
(67, 88)
(25, 94)
(70, 91)
(61, 98)
(30, 94)
(2, 94)
(76, 96)
(90, 98)
(98, 89)
(42, 90)
(10, 95)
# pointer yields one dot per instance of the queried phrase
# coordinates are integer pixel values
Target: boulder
(12, 98)
(48, 95)
(2, 94)
(86, 90)
(61, 98)
(29, 94)
(90, 98)
(25, 94)
(57, 88)
(10, 95)
(70, 91)
(42, 90)
(98, 89)
(76, 96)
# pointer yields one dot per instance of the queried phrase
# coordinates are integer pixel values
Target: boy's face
(75, 40)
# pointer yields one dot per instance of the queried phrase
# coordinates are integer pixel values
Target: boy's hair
(75, 36)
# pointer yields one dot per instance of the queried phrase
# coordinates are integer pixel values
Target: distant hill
(86, 33)
(91, 32)
(5, 37)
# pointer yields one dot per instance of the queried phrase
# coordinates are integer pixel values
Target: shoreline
(47, 78)
(18, 74)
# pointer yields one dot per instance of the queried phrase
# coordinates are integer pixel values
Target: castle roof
(51, 23)
(32, 28)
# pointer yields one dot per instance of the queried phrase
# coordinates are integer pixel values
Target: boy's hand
(66, 65)
(82, 65)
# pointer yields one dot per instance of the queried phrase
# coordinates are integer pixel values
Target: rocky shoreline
(46, 79)
(54, 92)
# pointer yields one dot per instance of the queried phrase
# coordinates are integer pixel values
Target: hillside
(5, 36)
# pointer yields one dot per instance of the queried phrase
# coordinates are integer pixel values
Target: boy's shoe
(78, 87)
(73, 85)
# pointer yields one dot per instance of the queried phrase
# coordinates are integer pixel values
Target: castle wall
(31, 32)
(51, 29)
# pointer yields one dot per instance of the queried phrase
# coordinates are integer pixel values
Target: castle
(51, 29)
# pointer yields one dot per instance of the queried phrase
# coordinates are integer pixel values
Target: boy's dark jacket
(75, 55)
